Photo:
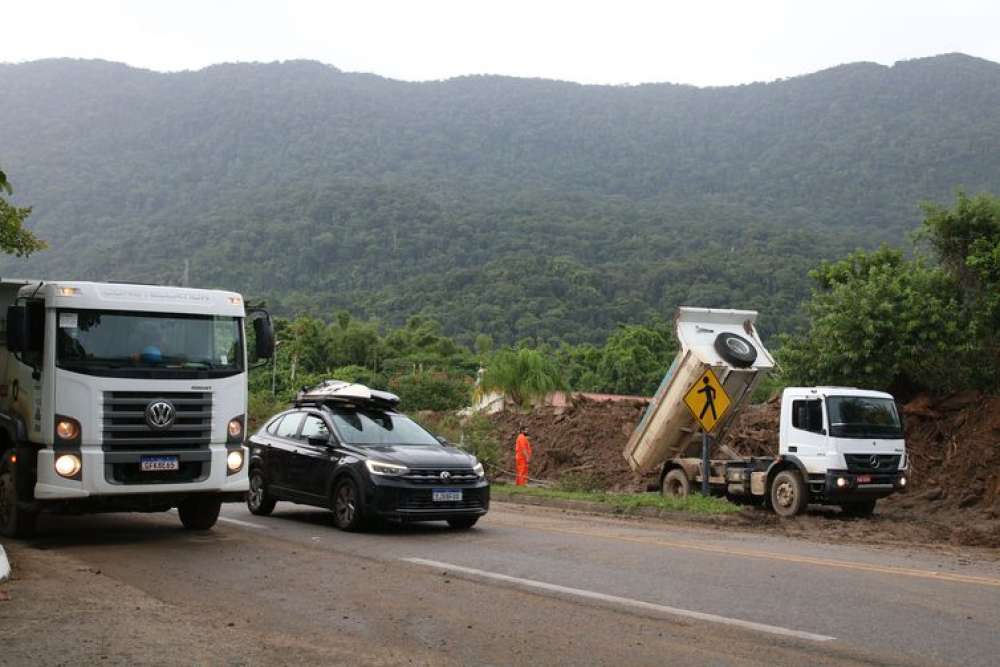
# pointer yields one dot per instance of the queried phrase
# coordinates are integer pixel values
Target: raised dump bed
(721, 339)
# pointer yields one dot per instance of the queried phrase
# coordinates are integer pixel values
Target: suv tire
(200, 512)
(347, 512)
(259, 501)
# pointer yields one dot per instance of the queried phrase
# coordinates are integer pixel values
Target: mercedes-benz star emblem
(160, 414)
(445, 474)
(873, 460)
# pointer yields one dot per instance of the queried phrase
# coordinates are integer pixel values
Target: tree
(14, 238)
(879, 321)
(635, 358)
(522, 374)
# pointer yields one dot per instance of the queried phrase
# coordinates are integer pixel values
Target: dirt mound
(754, 431)
(580, 444)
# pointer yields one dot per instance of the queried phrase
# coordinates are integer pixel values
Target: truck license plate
(156, 463)
(864, 479)
(447, 495)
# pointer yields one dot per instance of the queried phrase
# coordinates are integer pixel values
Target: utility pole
(274, 369)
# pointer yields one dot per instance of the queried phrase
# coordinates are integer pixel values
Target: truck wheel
(735, 349)
(676, 484)
(14, 521)
(789, 496)
(463, 522)
(259, 501)
(200, 512)
(858, 508)
(347, 511)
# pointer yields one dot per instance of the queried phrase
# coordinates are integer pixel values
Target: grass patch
(625, 502)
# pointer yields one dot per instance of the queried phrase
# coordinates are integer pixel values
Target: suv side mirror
(17, 328)
(263, 330)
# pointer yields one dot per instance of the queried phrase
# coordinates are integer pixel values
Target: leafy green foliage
(522, 374)
(15, 239)
(431, 391)
(625, 502)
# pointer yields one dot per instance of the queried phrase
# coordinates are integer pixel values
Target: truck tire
(200, 512)
(789, 495)
(676, 484)
(859, 508)
(14, 521)
(735, 349)
(347, 510)
(259, 501)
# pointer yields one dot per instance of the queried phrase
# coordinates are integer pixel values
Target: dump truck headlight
(234, 460)
(234, 430)
(902, 480)
(68, 465)
(841, 482)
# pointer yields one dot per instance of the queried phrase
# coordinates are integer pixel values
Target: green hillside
(515, 207)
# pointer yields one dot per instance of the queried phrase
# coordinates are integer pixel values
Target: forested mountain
(514, 207)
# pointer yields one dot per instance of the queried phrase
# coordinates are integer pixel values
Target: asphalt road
(538, 586)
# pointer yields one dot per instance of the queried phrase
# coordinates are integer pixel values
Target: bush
(430, 391)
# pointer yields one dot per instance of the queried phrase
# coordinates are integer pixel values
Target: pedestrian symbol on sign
(707, 400)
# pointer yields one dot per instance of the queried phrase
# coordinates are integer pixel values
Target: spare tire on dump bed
(735, 349)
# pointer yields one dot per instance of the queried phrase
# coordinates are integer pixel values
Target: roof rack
(338, 391)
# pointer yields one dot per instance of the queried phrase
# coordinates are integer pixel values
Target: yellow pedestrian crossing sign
(707, 400)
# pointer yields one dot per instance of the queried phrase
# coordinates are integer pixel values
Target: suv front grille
(125, 424)
(423, 500)
(872, 462)
(455, 477)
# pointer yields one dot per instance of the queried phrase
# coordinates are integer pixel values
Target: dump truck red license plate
(864, 479)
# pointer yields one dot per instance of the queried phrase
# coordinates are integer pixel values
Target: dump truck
(122, 398)
(839, 446)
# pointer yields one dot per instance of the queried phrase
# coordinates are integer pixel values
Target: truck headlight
(479, 470)
(841, 482)
(234, 460)
(68, 465)
(67, 429)
(902, 481)
(383, 468)
(234, 430)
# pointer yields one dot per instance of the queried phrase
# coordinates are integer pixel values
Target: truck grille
(125, 424)
(872, 462)
(455, 477)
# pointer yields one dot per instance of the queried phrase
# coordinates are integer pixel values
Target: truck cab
(119, 397)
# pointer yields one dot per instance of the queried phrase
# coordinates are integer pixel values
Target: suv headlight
(383, 468)
(479, 470)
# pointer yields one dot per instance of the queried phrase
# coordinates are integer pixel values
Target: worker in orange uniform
(522, 456)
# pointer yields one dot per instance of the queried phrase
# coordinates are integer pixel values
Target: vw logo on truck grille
(445, 475)
(160, 414)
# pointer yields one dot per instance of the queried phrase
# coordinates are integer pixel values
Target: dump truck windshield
(123, 344)
(863, 417)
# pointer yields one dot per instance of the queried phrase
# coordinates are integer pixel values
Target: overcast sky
(621, 41)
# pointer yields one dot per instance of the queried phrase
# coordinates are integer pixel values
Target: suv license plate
(156, 463)
(864, 479)
(447, 495)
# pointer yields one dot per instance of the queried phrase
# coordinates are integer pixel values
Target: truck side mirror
(17, 328)
(263, 331)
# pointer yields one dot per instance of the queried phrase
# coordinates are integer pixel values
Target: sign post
(708, 402)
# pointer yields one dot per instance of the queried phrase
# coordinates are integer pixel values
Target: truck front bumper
(846, 485)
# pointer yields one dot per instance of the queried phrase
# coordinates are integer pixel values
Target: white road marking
(242, 523)
(616, 600)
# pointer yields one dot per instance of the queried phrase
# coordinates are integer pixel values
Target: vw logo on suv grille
(874, 461)
(160, 414)
(445, 475)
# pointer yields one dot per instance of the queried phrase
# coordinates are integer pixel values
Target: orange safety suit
(522, 455)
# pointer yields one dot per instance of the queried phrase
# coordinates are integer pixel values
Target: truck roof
(84, 295)
(827, 391)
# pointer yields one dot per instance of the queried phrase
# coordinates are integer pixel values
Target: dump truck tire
(735, 349)
(676, 484)
(789, 495)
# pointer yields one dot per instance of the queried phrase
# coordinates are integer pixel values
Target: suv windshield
(374, 427)
(148, 344)
(863, 417)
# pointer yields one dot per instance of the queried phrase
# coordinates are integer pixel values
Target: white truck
(837, 445)
(119, 397)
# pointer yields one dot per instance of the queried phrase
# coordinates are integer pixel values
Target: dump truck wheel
(735, 349)
(676, 484)
(789, 495)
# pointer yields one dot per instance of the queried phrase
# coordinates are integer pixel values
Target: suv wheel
(259, 501)
(347, 512)
(14, 521)
(200, 512)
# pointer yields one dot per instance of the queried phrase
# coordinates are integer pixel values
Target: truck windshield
(863, 417)
(374, 427)
(126, 344)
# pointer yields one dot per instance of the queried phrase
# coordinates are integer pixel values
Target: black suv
(363, 462)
